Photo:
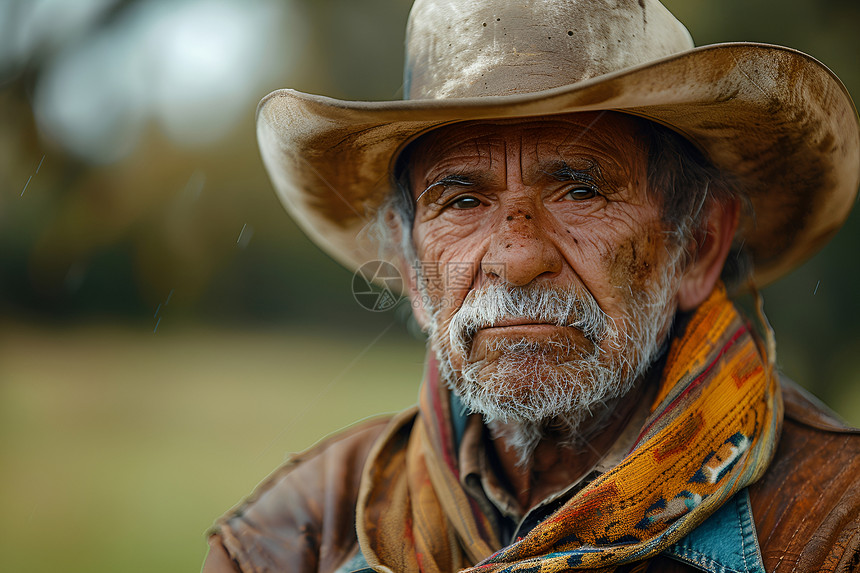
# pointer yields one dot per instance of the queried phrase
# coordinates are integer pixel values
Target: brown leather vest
(806, 507)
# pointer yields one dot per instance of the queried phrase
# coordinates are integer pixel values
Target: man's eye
(465, 203)
(581, 193)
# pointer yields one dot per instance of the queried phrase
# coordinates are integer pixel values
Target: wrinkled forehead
(607, 137)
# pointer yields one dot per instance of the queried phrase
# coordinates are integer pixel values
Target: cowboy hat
(776, 120)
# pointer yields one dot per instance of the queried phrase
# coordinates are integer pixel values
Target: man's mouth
(520, 329)
(489, 342)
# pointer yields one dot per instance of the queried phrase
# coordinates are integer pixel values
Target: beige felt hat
(776, 119)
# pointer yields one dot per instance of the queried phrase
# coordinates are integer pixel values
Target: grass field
(120, 446)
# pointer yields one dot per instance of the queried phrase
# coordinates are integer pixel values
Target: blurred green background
(167, 335)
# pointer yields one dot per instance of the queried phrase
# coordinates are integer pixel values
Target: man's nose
(521, 248)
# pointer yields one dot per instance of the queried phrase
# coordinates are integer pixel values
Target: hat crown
(477, 48)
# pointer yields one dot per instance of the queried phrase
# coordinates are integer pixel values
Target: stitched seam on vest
(835, 478)
(804, 519)
(788, 460)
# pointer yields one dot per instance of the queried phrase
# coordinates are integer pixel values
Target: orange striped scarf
(712, 431)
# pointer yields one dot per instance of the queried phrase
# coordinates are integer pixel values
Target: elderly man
(592, 398)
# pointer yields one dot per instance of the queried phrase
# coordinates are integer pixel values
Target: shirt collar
(480, 478)
(726, 542)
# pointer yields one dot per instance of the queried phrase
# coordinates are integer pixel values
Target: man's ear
(709, 254)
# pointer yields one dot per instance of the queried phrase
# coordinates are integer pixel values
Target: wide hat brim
(777, 121)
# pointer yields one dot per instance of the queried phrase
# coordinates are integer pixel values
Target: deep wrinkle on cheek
(452, 252)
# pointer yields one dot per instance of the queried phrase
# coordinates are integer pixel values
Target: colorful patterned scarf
(712, 431)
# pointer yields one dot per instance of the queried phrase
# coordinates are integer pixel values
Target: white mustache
(574, 307)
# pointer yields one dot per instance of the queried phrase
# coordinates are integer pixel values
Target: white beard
(530, 388)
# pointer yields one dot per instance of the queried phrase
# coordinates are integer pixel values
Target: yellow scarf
(712, 431)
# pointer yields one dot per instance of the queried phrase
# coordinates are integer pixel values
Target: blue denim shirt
(726, 542)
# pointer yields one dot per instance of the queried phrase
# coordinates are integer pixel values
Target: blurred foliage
(127, 438)
(120, 448)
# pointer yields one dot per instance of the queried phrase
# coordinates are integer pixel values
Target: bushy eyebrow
(561, 171)
(447, 180)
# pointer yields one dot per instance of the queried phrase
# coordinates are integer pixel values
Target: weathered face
(543, 265)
